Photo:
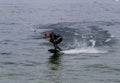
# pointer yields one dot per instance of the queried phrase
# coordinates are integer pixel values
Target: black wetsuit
(55, 39)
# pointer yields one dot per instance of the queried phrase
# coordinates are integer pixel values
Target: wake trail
(84, 50)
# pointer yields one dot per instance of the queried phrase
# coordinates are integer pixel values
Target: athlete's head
(47, 34)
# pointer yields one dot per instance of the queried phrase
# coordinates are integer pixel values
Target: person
(55, 39)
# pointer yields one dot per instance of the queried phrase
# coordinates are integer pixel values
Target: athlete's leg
(56, 47)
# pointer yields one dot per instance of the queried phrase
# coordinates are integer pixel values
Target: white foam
(84, 50)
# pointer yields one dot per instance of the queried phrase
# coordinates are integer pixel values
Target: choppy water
(90, 30)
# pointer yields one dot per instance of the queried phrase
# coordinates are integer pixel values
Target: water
(90, 30)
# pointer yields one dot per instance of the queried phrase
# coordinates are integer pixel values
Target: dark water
(89, 28)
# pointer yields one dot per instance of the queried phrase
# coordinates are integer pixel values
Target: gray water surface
(24, 56)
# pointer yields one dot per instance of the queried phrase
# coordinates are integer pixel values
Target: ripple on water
(5, 53)
(104, 68)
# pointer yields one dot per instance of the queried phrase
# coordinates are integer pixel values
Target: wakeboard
(54, 51)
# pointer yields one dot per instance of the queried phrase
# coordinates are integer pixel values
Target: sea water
(24, 56)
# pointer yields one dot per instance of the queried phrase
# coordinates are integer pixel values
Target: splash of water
(93, 43)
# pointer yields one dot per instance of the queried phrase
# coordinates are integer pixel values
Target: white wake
(84, 50)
